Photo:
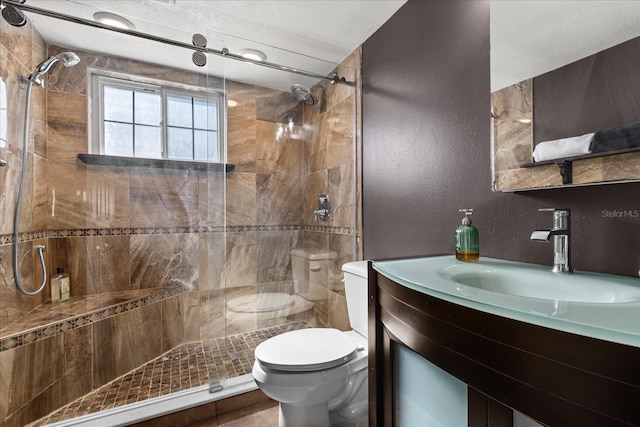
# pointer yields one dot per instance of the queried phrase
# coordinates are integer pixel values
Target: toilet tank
(357, 289)
(311, 268)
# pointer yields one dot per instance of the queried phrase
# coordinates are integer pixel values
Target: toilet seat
(306, 350)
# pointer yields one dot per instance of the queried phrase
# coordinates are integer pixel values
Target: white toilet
(319, 375)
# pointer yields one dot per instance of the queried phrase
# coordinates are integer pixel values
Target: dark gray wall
(426, 152)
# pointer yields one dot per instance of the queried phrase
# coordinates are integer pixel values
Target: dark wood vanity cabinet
(556, 378)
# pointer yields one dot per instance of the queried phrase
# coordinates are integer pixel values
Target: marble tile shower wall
(117, 230)
(20, 50)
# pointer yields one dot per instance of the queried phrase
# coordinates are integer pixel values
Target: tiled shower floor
(186, 366)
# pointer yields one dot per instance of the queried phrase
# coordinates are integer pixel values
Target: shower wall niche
(155, 254)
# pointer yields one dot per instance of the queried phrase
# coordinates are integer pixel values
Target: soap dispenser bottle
(60, 286)
(467, 239)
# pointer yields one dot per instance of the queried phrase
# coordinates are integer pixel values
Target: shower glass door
(126, 176)
(291, 138)
(173, 195)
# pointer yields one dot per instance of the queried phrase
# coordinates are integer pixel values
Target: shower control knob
(323, 208)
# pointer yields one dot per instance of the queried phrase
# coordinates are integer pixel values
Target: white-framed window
(138, 117)
(4, 114)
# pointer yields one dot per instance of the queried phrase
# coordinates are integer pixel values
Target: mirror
(565, 102)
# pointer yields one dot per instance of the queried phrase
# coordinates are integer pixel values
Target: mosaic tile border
(45, 331)
(27, 236)
(6, 239)
(330, 229)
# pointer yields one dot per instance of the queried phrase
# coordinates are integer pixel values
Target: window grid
(211, 132)
(193, 128)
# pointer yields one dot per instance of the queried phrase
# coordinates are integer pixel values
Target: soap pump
(467, 239)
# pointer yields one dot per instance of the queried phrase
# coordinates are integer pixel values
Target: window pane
(3, 94)
(205, 146)
(147, 108)
(118, 104)
(4, 121)
(212, 139)
(180, 143)
(148, 142)
(213, 116)
(200, 110)
(118, 139)
(179, 111)
(200, 147)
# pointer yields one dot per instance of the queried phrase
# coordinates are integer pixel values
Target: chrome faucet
(561, 236)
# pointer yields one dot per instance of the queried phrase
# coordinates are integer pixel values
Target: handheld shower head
(68, 59)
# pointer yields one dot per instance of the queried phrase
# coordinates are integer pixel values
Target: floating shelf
(581, 157)
(105, 160)
(566, 163)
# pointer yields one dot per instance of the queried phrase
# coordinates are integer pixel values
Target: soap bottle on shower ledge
(60, 285)
(467, 239)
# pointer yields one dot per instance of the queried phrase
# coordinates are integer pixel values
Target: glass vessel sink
(600, 305)
(534, 281)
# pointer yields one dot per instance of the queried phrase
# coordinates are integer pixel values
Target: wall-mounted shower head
(303, 94)
(13, 16)
(68, 59)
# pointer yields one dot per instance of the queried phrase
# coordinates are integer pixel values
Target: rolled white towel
(560, 148)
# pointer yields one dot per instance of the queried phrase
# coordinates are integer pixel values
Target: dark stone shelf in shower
(105, 160)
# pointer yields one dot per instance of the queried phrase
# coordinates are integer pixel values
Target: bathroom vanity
(573, 361)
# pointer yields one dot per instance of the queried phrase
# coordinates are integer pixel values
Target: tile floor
(252, 409)
(258, 415)
(188, 365)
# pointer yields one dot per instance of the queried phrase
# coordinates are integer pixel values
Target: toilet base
(311, 415)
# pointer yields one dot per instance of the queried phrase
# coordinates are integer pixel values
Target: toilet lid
(306, 350)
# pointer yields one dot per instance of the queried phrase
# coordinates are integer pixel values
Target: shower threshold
(162, 405)
(176, 380)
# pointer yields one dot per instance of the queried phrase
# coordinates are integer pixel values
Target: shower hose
(16, 212)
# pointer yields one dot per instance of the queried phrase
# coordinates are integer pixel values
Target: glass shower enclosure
(173, 195)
